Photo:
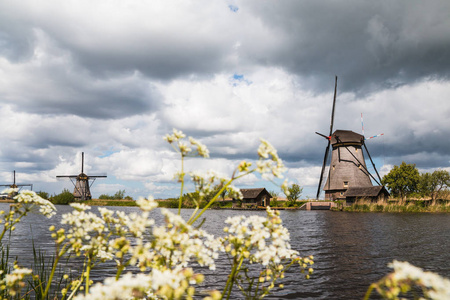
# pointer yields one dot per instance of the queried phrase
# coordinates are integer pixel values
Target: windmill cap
(346, 136)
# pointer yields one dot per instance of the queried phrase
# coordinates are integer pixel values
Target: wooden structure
(82, 190)
(255, 197)
(319, 205)
(347, 168)
(372, 193)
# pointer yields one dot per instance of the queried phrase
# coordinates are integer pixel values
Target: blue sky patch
(237, 79)
(233, 8)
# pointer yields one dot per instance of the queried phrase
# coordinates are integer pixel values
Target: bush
(65, 197)
(43, 195)
(119, 195)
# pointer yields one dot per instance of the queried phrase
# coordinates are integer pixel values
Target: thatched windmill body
(347, 167)
(82, 182)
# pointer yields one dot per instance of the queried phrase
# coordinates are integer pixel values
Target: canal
(351, 250)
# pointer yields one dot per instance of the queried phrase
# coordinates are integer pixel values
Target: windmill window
(334, 167)
(356, 149)
(345, 184)
(342, 193)
(359, 166)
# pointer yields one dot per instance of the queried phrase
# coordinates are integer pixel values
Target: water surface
(351, 250)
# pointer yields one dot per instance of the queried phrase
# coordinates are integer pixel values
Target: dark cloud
(370, 45)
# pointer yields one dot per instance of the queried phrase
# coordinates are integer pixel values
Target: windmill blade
(334, 105)
(327, 137)
(362, 124)
(323, 168)
(373, 164)
(374, 136)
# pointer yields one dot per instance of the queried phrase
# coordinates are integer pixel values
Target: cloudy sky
(111, 78)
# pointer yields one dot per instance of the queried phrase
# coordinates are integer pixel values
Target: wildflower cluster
(263, 241)
(176, 140)
(167, 284)
(210, 184)
(405, 278)
(174, 244)
(25, 202)
(14, 281)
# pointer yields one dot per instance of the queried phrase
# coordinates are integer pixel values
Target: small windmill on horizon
(82, 190)
(15, 186)
(347, 168)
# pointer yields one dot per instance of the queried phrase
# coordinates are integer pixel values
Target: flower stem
(192, 221)
(231, 279)
(119, 271)
(49, 283)
(369, 291)
(182, 184)
(52, 273)
(88, 271)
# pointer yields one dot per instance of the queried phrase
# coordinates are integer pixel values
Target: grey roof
(346, 136)
(253, 193)
(369, 191)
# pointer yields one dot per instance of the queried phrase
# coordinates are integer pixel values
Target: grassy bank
(411, 206)
(104, 202)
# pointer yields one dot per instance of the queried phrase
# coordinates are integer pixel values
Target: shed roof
(253, 193)
(369, 191)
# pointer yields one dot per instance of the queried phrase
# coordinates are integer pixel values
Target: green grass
(412, 206)
(104, 202)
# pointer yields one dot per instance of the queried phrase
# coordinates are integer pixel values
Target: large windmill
(347, 167)
(81, 182)
(15, 186)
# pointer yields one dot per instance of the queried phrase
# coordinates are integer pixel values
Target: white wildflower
(31, 199)
(147, 204)
(202, 150)
(438, 287)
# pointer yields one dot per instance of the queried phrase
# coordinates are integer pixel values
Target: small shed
(255, 197)
(371, 193)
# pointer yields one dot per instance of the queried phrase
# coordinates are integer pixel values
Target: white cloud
(111, 80)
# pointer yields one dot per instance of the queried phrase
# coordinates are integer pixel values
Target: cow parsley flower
(31, 198)
(405, 276)
(147, 204)
(158, 284)
(14, 281)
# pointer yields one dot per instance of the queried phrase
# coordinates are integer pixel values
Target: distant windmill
(81, 182)
(347, 167)
(15, 186)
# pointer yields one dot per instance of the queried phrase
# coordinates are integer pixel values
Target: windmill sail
(327, 150)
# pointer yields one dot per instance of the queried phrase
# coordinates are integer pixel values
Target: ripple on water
(351, 250)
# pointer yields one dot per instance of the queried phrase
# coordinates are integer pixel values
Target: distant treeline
(405, 181)
(66, 196)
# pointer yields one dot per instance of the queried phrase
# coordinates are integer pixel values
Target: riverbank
(412, 206)
(104, 202)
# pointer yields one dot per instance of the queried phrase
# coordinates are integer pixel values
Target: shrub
(65, 197)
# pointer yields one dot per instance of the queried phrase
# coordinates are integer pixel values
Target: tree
(120, 194)
(295, 192)
(274, 201)
(402, 180)
(43, 195)
(432, 184)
